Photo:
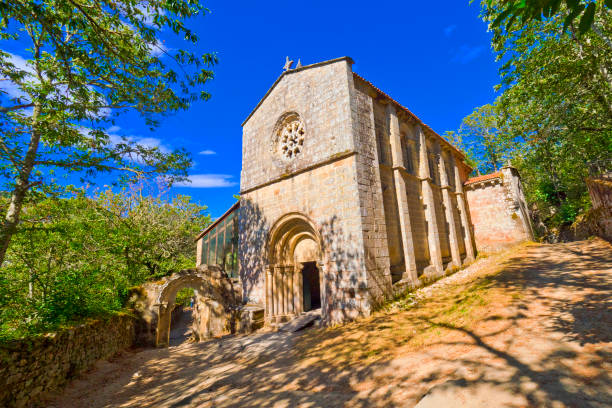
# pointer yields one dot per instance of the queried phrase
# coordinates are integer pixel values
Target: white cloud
(150, 142)
(11, 88)
(449, 30)
(208, 181)
(467, 53)
(148, 15)
(158, 48)
(207, 152)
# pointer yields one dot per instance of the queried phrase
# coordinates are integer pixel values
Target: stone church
(347, 198)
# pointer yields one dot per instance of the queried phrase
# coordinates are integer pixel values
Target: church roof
(415, 117)
(293, 71)
(372, 86)
(484, 177)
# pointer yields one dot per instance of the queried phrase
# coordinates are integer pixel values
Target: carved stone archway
(216, 302)
(293, 241)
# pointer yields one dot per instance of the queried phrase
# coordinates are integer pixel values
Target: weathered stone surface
(498, 210)
(366, 197)
(216, 309)
(600, 217)
(33, 367)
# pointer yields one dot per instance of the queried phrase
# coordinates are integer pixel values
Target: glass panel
(235, 247)
(211, 249)
(228, 249)
(204, 253)
(220, 242)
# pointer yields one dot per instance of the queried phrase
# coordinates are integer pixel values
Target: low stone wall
(32, 367)
(600, 190)
(498, 210)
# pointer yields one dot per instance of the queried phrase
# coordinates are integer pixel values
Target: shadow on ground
(533, 324)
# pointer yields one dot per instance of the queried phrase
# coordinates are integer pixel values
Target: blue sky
(433, 57)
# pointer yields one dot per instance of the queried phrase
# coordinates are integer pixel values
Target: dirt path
(532, 327)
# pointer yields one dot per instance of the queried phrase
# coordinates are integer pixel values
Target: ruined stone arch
(294, 241)
(216, 300)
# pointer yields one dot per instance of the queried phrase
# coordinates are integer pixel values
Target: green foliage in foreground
(554, 116)
(77, 257)
(508, 12)
(82, 64)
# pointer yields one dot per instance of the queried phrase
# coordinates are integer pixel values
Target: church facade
(347, 198)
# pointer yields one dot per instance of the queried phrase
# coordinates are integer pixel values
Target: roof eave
(218, 220)
(415, 117)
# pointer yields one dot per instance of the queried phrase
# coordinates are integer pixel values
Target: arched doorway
(294, 279)
(214, 299)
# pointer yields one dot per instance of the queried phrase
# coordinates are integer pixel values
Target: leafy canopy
(86, 62)
(77, 257)
(555, 111)
(507, 12)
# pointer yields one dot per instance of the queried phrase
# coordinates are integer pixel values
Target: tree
(76, 257)
(556, 104)
(481, 135)
(507, 12)
(89, 61)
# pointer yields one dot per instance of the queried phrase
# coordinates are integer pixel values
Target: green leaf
(502, 16)
(572, 4)
(587, 19)
(608, 3)
(570, 19)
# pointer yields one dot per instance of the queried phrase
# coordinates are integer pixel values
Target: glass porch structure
(219, 242)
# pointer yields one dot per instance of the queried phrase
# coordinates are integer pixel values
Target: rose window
(291, 138)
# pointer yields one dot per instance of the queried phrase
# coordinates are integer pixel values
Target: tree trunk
(22, 185)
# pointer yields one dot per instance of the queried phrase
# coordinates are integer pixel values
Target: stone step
(301, 322)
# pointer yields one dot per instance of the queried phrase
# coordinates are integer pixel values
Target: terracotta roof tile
(484, 177)
(382, 93)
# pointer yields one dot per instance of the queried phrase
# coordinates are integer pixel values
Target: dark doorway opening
(312, 288)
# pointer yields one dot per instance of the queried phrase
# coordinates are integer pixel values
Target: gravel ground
(531, 327)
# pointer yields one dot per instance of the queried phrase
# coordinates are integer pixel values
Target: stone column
(162, 338)
(269, 291)
(278, 290)
(433, 236)
(297, 288)
(288, 274)
(469, 247)
(450, 215)
(199, 252)
(322, 280)
(282, 289)
(410, 274)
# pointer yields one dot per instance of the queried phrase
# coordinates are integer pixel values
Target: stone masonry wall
(320, 96)
(320, 183)
(327, 195)
(30, 368)
(376, 218)
(498, 211)
(600, 190)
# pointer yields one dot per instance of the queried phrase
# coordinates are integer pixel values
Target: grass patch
(406, 325)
